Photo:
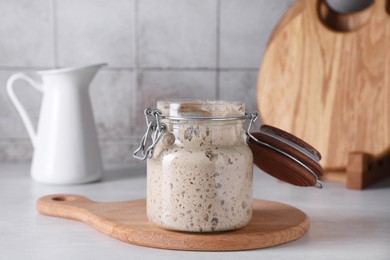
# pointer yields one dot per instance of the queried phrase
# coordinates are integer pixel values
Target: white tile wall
(156, 49)
(15, 150)
(119, 150)
(26, 37)
(239, 86)
(177, 33)
(245, 29)
(113, 91)
(94, 31)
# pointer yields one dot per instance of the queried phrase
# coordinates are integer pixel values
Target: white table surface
(345, 224)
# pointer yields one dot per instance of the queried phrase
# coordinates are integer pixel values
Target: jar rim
(198, 109)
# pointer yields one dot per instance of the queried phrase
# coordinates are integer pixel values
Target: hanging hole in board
(63, 198)
(345, 15)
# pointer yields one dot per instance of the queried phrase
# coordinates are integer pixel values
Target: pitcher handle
(21, 110)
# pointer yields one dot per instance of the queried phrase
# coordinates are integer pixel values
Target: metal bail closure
(155, 129)
(285, 156)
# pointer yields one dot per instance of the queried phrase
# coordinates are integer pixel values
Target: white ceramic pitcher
(66, 149)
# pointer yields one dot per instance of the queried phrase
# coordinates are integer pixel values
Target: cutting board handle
(345, 21)
(65, 206)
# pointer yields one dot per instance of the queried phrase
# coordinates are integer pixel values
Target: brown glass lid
(286, 157)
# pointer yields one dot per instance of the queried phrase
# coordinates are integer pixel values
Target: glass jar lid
(278, 153)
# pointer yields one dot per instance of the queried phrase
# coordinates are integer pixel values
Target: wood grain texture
(272, 224)
(330, 88)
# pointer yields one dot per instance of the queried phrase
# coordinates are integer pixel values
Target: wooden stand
(364, 169)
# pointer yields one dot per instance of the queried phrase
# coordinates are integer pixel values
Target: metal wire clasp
(252, 118)
(155, 129)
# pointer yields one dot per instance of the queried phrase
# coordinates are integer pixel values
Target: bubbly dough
(202, 181)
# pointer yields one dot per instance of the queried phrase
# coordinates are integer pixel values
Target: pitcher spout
(78, 76)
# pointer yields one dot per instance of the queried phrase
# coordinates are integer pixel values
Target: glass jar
(199, 167)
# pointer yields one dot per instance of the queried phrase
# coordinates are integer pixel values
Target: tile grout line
(23, 140)
(217, 49)
(136, 75)
(135, 36)
(12, 139)
(33, 68)
(54, 32)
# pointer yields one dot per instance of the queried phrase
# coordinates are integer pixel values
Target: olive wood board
(325, 77)
(272, 224)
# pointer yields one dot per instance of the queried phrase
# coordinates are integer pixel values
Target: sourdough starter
(200, 176)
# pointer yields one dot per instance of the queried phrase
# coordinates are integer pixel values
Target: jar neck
(208, 133)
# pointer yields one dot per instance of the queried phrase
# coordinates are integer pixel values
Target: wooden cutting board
(272, 224)
(325, 78)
